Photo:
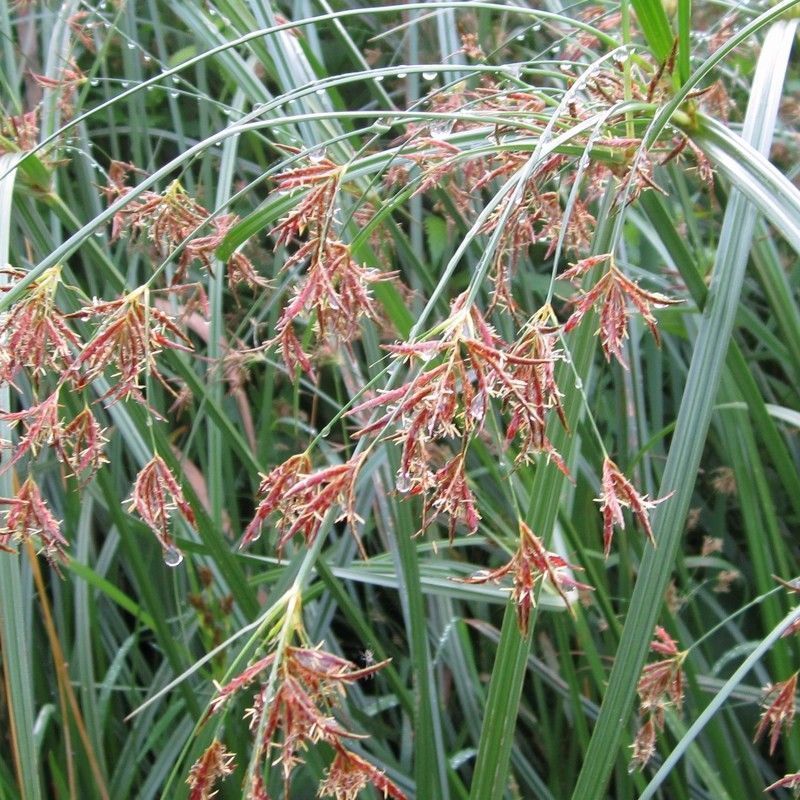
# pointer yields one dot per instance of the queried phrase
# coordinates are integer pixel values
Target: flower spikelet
(130, 336)
(779, 714)
(790, 781)
(613, 291)
(156, 496)
(34, 332)
(302, 498)
(660, 685)
(618, 493)
(27, 517)
(215, 763)
(531, 565)
(348, 774)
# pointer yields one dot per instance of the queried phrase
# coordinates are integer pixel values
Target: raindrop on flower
(402, 483)
(172, 557)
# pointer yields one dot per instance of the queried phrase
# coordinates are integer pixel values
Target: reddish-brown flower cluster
(530, 566)
(29, 518)
(213, 765)
(301, 498)
(779, 713)
(170, 219)
(34, 332)
(660, 685)
(296, 712)
(450, 399)
(130, 336)
(156, 496)
(19, 132)
(618, 493)
(78, 444)
(612, 292)
(334, 287)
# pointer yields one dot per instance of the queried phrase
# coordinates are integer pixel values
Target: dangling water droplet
(172, 556)
(520, 37)
(537, 27)
(124, 84)
(555, 50)
(94, 82)
(131, 45)
(147, 59)
(429, 76)
(565, 67)
(402, 75)
(321, 91)
(402, 482)
(379, 78)
(441, 128)
(174, 94)
(227, 111)
(477, 408)
(99, 234)
(316, 155)
(176, 79)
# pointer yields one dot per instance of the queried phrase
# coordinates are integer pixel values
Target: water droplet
(176, 79)
(124, 84)
(379, 78)
(212, 12)
(477, 408)
(131, 45)
(441, 128)
(316, 155)
(429, 76)
(537, 27)
(227, 111)
(172, 556)
(402, 75)
(321, 91)
(99, 234)
(565, 67)
(515, 70)
(402, 482)
(94, 82)
(555, 50)
(521, 37)
(147, 59)
(174, 94)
